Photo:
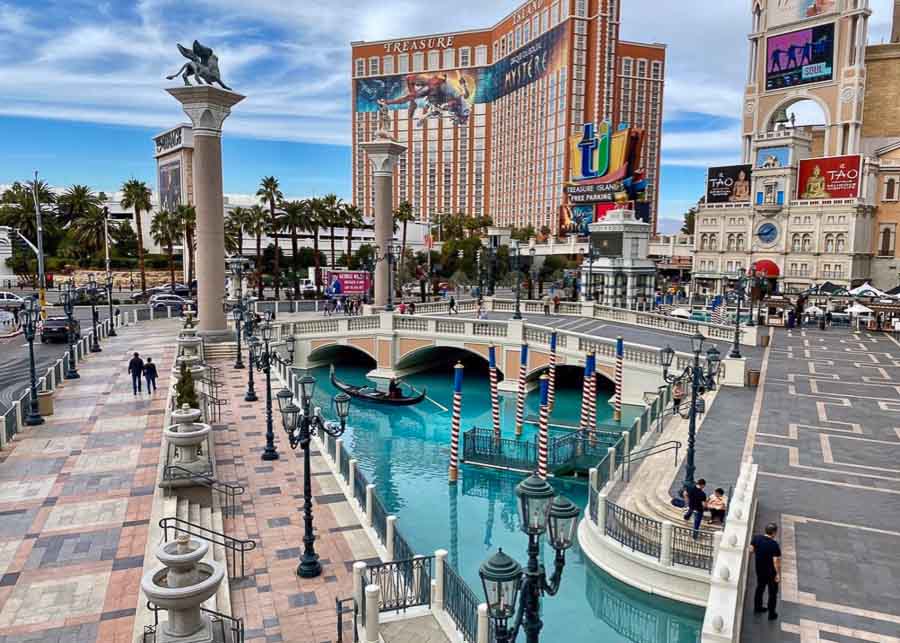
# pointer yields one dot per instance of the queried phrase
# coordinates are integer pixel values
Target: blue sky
(84, 102)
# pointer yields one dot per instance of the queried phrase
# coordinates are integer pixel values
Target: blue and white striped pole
(495, 399)
(454, 422)
(543, 437)
(520, 398)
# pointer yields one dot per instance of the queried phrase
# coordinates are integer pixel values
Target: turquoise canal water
(405, 453)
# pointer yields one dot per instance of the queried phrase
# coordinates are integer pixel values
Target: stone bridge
(403, 344)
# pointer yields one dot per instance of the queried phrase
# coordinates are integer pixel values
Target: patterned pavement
(75, 496)
(274, 602)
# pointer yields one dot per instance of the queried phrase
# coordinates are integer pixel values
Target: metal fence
(403, 583)
(461, 603)
(359, 486)
(402, 549)
(692, 548)
(379, 518)
(634, 531)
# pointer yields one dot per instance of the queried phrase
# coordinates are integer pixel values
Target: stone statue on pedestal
(202, 64)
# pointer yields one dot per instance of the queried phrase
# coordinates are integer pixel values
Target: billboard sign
(770, 157)
(782, 12)
(832, 177)
(728, 184)
(451, 93)
(170, 186)
(800, 57)
(348, 282)
(605, 166)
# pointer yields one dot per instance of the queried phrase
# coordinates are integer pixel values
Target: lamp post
(736, 296)
(68, 301)
(532, 272)
(92, 295)
(698, 375)
(32, 312)
(301, 423)
(250, 395)
(237, 313)
(590, 295)
(263, 356)
(478, 272)
(515, 248)
(512, 592)
(109, 279)
(236, 269)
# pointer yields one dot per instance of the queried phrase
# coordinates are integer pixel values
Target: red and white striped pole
(620, 358)
(543, 431)
(591, 392)
(495, 400)
(454, 422)
(551, 390)
(520, 397)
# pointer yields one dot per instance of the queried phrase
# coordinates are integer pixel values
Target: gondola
(374, 395)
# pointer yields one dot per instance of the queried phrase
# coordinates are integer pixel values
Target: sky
(81, 86)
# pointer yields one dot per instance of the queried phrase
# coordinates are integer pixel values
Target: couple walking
(140, 369)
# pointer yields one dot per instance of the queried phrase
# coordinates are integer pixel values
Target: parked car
(10, 301)
(57, 329)
(168, 300)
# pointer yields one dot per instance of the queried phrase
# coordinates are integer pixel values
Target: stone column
(208, 107)
(383, 156)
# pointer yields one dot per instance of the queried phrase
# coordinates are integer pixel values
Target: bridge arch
(428, 356)
(572, 373)
(334, 353)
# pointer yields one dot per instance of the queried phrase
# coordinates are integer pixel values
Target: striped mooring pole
(454, 422)
(520, 397)
(551, 393)
(495, 398)
(585, 396)
(542, 428)
(591, 390)
(620, 358)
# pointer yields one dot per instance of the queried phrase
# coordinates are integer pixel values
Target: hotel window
(656, 72)
(496, 51)
(481, 55)
(581, 8)
(403, 64)
(526, 32)
(554, 14)
(434, 60)
(886, 240)
(536, 25)
(373, 66)
(450, 58)
(890, 190)
(360, 67)
(840, 243)
(545, 20)
(387, 65)
(795, 243)
(465, 56)
(418, 61)
(626, 66)
(518, 36)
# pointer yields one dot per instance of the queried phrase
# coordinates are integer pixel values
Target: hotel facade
(488, 115)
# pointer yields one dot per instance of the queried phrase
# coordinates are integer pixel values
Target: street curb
(18, 332)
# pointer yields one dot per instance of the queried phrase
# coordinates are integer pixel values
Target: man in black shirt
(695, 499)
(767, 553)
(136, 368)
(150, 375)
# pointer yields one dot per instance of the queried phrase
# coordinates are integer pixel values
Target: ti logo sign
(594, 152)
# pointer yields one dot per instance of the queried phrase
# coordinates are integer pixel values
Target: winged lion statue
(202, 64)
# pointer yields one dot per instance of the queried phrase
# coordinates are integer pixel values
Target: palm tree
(403, 215)
(136, 194)
(352, 219)
(257, 225)
(76, 202)
(89, 229)
(333, 208)
(296, 216)
(186, 221)
(17, 207)
(165, 229)
(237, 222)
(315, 213)
(270, 193)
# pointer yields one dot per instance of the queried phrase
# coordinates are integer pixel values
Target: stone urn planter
(180, 587)
(189, 345)
(186, 435)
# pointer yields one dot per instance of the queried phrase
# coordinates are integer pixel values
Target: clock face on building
(767, 233)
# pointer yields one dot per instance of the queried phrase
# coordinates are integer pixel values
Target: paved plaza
(75, 497)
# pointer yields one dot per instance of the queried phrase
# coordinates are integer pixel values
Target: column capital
(383, 156)
(207, 107)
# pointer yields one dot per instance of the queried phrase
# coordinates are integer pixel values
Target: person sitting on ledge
(717, 505)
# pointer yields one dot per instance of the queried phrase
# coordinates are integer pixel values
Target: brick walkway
(75, 496)
(275, 603)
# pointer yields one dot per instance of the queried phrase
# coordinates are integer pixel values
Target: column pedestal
(383, 156)
(208, 107)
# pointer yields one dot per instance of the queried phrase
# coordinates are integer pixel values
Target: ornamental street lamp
(698, 375)
(237, 313)
(590, 294)
(250, 395)
(68, 301)
(532, 272)
(109, 298)
(32, 312)
(516, 258)
(92, 295)
(301, 423)
(263, 355)
(511, 591)
(236, 270)
(736, 297)
(478, 254)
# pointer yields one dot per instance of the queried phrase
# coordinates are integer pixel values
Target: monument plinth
(208, 107)
(383, 154)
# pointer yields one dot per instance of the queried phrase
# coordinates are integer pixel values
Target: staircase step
(204, 519)
(223, 595)
(183, 509)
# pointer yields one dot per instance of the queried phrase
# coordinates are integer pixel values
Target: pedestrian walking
(136, 368)
(451, 306)
(677, 396)
(556, 303)
(150, 375)
(695, 498)
(546, 302)
(767, 553)
(412, 308)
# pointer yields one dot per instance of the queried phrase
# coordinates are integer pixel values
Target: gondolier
(394, 394)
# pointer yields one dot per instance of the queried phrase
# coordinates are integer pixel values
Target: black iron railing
(636, 532)
(662, 447)
(461, 603)
(344, 463)
(692, 548)
(359, 486)
(403, 583)
(235, 548)
(225, 628)
(379, 518)
(343, 606)
(229, 491)
(402, 550)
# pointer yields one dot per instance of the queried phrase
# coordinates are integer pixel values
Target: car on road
(57, 329)
(163, 301)
(10, 301)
